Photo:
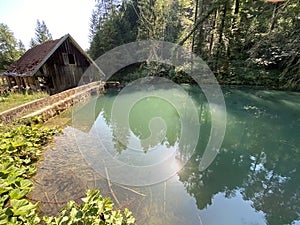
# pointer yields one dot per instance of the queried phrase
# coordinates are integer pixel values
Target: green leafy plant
(21, 145)
(20, 148)
(94, 210)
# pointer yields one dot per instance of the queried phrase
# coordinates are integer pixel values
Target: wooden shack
(53, 66)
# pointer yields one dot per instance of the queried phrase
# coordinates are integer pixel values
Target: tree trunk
(233, 29)
(199, 22)
(235, 14)
(220, 39)
(212, 36)
(274, 16)
(195, 19)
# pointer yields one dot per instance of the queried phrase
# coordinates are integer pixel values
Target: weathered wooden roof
(35, 57)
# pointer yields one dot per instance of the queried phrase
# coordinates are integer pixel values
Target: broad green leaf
(130, 220)
(27, 161)
(61, 220)
(4, 187)
(3, 199)
(26, 184)
(17, 193)
(22, 207)
(48, 219)
(3, 216)
(127, 213)
(73, 213)
(13, 178)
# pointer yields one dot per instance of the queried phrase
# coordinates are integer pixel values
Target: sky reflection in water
(253, 180)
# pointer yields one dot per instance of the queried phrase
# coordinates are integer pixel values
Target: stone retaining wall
(52, 105)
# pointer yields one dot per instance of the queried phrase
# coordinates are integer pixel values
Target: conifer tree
(112, 25)
(42, 34)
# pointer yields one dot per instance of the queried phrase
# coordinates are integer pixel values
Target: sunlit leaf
(22, 207)
(17, 193)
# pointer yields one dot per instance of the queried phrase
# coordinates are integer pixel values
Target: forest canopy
(244, 42)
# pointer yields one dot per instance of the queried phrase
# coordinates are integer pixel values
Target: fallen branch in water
(132, 190)
(110, 187)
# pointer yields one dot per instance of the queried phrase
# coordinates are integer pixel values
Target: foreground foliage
(21, 146)
(20, 149)
(95, 210)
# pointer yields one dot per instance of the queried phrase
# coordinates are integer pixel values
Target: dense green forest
(244, 42)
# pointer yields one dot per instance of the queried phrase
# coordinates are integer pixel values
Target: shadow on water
(253, 180)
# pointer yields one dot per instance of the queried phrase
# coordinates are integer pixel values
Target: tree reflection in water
(259, 158)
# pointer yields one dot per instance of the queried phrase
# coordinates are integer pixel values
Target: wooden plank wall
(63, 74)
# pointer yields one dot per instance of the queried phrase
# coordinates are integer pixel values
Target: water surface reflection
(253, 180)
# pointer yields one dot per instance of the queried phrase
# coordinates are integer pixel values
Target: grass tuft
(16, 99)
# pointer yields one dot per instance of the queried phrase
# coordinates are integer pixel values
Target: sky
(61, 17)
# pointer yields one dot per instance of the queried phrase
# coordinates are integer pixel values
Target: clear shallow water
(253, 180)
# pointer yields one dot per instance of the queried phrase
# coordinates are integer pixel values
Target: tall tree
(10, 48)
(274, 49)
(243, 42)
(119, 28)
(163, 20)
(42, 34)
(103, 10)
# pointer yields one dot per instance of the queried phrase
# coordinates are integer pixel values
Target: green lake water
(254, 179)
